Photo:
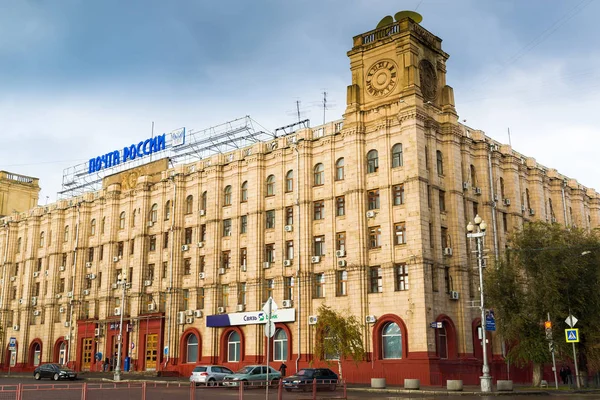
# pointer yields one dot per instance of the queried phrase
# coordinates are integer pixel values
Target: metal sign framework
(199, 144)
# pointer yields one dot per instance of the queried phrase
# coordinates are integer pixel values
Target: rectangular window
(342, 283)
(165, 267)
(319, 209)
(88, 284)
(373, 199)
(39, 265)
(431, 240)
(224, 295)
(243, 224)
(201, 264)
(442, 201)
(203, 233)
(398, 194)
(13, 294)
(152, 242)
(99, 280)
(187, 266)
(270, 252)
(426, 158)
(289, 250)
(375, 280)
(227, 227)
(375, 237)
(445, 241)
(61, 286)
(185, 299)
(150, 272)
(91, 254)
(225, 259)
(269, 287)
(188, 235)
(340, 206)
(319, 286)
(165, 240)
(131, 246)
(340, 241)
(242, 293)
(401, 277)
(319, 246)
(120, 247)
(447, 279)
(200, 298)
(400, 233)
(243, 257)
(475, 210)
(289, 215)
(270, 219)
(36, 289)
(505, 222)
(288, 288)
(101, 252)
(428, 196)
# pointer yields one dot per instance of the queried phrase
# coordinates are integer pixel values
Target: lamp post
(122, 281)
(477, 231)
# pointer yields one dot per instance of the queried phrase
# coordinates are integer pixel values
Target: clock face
(382, 78)
(428, 80)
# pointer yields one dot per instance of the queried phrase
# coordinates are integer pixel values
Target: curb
(448, 393)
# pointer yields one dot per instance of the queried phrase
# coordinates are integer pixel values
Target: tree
(338, 337)
(547, 269)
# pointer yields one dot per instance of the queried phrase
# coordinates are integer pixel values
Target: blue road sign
(572, 335)
(12, 343)
(490, 322)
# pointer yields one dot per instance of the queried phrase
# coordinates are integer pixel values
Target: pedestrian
(106, 364)
(563, 375)
(282, 369)
(569, 376)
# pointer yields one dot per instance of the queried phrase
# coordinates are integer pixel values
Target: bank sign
(250, 318)
(134, 151)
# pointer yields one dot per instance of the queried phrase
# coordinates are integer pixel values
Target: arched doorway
(35, 353)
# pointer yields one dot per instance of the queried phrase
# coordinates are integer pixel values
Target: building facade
(18, 193)
(366, 214)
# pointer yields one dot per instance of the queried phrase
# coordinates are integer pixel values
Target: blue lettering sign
(129, 153)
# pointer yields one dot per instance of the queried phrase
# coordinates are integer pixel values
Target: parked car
(252, 373)
(303, 380)
(209, 375)
(54, 371)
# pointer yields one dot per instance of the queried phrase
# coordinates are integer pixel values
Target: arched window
(473, 176)
(19, 241)
(167, 210)
(319, 175)
(189, 204)
(372, 161)
(36, 351)
(204, 201)
(397, 159)
(440, 162)
(339, 169)
(271, 185)
(191, 355)
(154, 212)
(442, 342)
(280, 345)
(391, 341)
(289, 181)
(502, 188)
(245, 191)
(227, 196)
(66, 233)
(122, 220)
(93, 227)
(62, 353)
(134, 217)
(42, 239)
(233, 347)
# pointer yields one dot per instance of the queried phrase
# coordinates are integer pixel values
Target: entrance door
(151, 351)
(88, 354)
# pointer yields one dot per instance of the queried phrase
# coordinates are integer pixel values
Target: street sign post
(572, 335)
(571, 321)
(548, 329)
(269, 308)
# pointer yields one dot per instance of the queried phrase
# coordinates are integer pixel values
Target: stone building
(366, 214)
(18, 193)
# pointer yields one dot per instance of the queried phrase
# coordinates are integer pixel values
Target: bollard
(144, 390)
(280, 390)
(412, 384)
(192, 391)
(314, 389)
(345, 394)
(454, 385)
(19, 391)
(241, 392)
(84, 391)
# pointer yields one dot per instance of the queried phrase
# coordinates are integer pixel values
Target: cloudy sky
(80, 78)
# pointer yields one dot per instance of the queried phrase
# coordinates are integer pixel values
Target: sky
(81, 78)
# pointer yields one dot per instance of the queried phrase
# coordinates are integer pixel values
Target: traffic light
(548, 328)
(548, 325)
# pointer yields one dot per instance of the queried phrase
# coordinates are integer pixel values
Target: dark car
(303, 380)
(54, 371)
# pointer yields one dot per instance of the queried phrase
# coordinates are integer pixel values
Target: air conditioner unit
(185, 247)
(341, 263)
(312, 319)
(114, 286)
(189, 320)
(13, 278)
(370, 214)
(97, 332)
(478, 191)
(61, 268)
(495, 197)
(67, 324)
(287, 263)
(201, 275)
(21, 301)
(151, 307)
(91, 276)
(189, 313)
(221, 271)
(116, 259)
(244, 268)
(69, 294)
(67, 337)
(506, 202)
(289, 228)
(88, 265)
(147, 283)
(287, 303)
(370, 319)
(523, 208)
(33, 301)
(202, 212)
(220, 310)
(240, 308)
(315, 259)
(447, 251)
(117, 311)
(340, 253)
(15, 327)
(454, 295)
(465, 185)
(181, 317)
(200, 244)
(531, 211)
(46, 272)
(266, 265)
(58, 296)
(36, 312)
(36, 274)
(86, 292)
(61, 310)
(150, 224)
(198, 313)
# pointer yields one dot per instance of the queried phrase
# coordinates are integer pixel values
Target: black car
(54, 371)
(303, 380)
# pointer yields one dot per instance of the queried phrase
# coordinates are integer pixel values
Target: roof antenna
(509, 142)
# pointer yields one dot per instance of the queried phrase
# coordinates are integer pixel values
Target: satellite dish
(408, 14)
(387, 20)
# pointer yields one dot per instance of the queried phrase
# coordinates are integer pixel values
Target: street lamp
(122, 281)
(477, 231)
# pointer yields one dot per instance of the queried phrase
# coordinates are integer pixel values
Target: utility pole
(548, 328)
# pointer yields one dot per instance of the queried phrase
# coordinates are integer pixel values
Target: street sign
(270, 329)
(490, 321)
(274, 306)
(166, 350)
(436, 325)
(572, 335)
(12, 343)
(571, 320)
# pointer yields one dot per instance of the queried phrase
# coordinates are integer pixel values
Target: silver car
(209, 375)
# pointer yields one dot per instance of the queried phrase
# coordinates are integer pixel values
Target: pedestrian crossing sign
(572, 335)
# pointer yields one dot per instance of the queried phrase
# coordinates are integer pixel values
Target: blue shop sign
(143, 148)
